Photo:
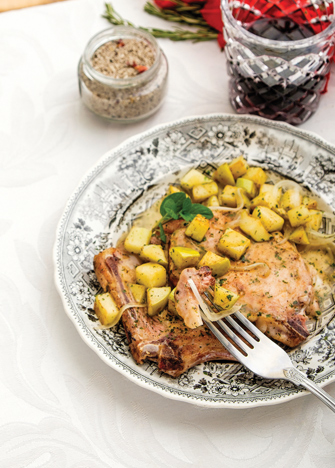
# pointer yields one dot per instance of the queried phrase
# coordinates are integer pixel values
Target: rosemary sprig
(181, 14)
(177, 34)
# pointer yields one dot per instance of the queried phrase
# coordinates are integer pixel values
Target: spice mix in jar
(123, 74)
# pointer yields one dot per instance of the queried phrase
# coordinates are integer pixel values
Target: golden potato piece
(268, 196)
(157, 299)
(219, 265)
(256, 174)
(228, 197)
(270, 220)
(151, 275)
(248, 186)
(197, 228)
(224, 298)
(212, 201)
(138, 291)
(254, 228)
(202, 192)
(291, 199)
(184, 257)
(299, 236)
(233, 243)
(238, 167)
(314, 221)
(136, 239)
(154, 253)
(298, 216)
(192, 178)
(309, 202)
(223, 175)
(106, 309)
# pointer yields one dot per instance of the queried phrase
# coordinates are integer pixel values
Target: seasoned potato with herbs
(298, 216)
(154, 253)
(151, 275)
(138, 291)
(173, 189)
(202, 192)
(136, 239)
(219, 265)
(228, 197)
(212, 201)
(223, 175)
(197, 228)
(268, 196)
(224, 298)
(256, 174)
(315, 220)
(172, 303)
(184, 257)
(291, 199)
(254, 228)
(309, 202)
(157, 299)
(192, 178)
(270, 220)
(299, 236)
(233, 243)
(248, 186)
(106, 309)
(238, 167)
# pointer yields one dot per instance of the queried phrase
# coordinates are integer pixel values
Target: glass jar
(123, 100)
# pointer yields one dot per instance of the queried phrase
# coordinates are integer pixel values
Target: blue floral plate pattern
(124, 183)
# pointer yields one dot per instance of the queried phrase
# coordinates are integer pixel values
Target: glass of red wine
(279, 55)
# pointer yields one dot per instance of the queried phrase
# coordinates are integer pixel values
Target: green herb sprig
(179, 206)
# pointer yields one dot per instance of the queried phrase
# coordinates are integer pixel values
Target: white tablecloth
(60, 405)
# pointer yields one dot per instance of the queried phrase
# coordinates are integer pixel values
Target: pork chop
(164, 339)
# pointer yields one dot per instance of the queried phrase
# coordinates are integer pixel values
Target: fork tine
(250, 339)
(223, 340)
(249, 325)
(236, 339)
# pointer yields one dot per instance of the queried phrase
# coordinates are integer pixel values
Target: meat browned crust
(163, 339)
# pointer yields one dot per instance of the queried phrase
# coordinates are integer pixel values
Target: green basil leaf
(197, 208)
(187, 204)
(187, 216)
(171, 213)
(162, 233)
(176, 200)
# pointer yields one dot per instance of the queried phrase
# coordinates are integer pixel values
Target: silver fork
(260, 354)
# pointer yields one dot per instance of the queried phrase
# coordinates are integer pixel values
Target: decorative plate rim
(85, 334)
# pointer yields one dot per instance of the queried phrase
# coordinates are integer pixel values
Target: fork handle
(298, 378)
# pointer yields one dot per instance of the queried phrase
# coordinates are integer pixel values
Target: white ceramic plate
(123, 184)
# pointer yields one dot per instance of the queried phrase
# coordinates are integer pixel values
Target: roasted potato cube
(197, 228)
(309, 202)
(136, 239)
(256, 174)
(202, 192)
(233, 243)
(270, 220)
(154, 253)
(299, 236)
(253, 227)
(248, 185)
(314, 221)
(223, 175)
(157, 299)
(228, 197)
(138, 291)
(238, 167)
(219, 265)
(291, 199)
(106, 309)
(268, 196)
(224, 298)
(151, 275)
(173, 189)
(298, 216)
(212, 201)
(184, 257)
(192, 178)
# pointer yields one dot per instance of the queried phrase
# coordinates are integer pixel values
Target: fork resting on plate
(256, 351)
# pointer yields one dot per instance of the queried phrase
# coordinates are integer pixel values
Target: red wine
(278, 99)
